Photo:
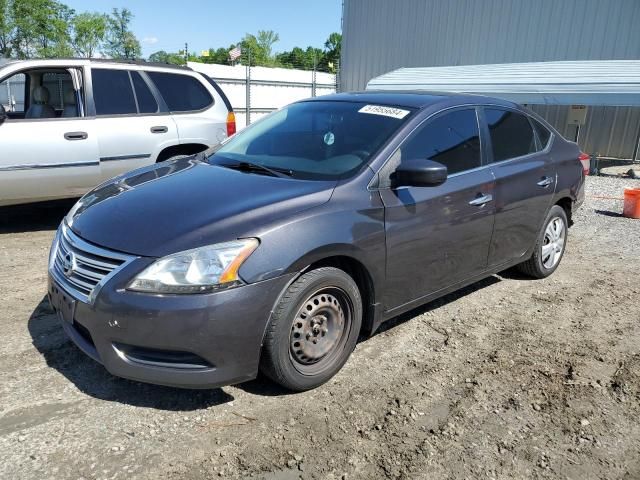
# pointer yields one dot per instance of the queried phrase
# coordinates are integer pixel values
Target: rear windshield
(320, 140)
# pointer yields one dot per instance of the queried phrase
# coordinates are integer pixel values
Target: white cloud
(150, 40)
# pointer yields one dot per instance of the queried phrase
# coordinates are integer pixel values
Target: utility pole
(186, 52)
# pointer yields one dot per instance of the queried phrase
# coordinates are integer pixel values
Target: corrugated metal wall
(382, 35)
(608, 132)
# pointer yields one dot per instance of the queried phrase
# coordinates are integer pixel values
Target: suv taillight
(231, 124)
(585, 160)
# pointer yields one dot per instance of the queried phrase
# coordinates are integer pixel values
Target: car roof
(413, 98)
(57, 62)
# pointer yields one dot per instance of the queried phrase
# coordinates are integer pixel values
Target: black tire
(539, 265)
(333, 321)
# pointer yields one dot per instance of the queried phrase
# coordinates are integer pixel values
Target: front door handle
(545, 182)
(159, 129)
(481, 200)
(76, 135)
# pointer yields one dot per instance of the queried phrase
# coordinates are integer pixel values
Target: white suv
(68, 125)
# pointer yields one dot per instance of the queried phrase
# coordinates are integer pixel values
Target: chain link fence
(255, 91)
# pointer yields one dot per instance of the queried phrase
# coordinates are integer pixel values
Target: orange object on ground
(631, 207)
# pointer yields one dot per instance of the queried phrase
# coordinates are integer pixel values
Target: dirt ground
(510, 378)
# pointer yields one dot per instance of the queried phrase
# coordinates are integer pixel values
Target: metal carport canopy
(600, 82)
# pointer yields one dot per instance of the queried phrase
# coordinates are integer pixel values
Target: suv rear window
(511, 134)
(112, 92)
(181, 93)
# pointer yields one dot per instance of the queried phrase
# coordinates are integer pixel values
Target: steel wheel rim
(553, 242)
(320, 330)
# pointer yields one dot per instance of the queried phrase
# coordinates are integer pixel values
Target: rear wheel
(550, 245)
(313, 329)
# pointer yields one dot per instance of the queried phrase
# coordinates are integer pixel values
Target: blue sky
(166, 24)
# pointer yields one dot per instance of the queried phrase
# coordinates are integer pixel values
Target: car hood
(175, 206)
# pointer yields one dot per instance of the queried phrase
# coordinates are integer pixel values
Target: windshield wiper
(256, 167)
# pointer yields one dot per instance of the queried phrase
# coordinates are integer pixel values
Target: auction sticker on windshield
(385, 111)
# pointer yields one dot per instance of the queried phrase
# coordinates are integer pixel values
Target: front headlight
(199, 270)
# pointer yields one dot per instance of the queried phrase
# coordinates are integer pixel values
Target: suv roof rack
(4, 61)
(139, 62)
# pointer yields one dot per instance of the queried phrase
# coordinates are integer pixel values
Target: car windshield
(319, 140)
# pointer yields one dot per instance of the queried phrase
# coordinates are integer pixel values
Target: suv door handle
(545, 182)
(76, 135)
(159, 129)
(481, 200)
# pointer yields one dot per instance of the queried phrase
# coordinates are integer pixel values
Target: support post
(313, 76)
(248, 89)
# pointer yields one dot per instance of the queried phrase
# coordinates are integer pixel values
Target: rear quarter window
(181, 93)
(543, 133)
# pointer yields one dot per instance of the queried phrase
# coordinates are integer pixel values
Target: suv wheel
(313, 329)
(549, 247)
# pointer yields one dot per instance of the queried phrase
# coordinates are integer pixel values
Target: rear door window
(146, 101)
(452, 139)
(511, 134)
(181, 93)
(113, 92)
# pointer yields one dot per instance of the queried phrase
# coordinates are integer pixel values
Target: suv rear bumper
(188, 341)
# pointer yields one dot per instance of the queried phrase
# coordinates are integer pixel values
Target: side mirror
(419, 173)
(3, 114)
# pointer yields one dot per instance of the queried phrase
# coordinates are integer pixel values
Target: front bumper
(188, 341)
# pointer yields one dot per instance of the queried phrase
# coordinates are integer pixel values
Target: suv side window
(452, 138)
(511, 134)
(112, 92)
(181, 93)
(146, 101)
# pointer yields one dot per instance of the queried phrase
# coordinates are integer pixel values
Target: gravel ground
(509, 378)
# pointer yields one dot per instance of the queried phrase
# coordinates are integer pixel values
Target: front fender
(317, 234)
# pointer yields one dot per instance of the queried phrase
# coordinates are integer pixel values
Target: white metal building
(381, 35)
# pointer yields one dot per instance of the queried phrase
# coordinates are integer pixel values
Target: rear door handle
(545, 182)
(76, 135)
(159, 129)
(481, 200)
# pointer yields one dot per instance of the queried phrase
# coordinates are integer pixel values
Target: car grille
(80, 267)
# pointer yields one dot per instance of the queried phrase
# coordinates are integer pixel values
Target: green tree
(40, 28)
(259, 48)
(6, 29)
(164, 57)
(301, 59)
(121, 42)
(89, 31)
(265, 40)
(251, 49)
(332, 48)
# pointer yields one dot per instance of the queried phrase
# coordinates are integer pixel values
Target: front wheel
(550, 245)
(313, 329)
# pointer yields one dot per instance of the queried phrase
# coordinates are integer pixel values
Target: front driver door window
(435, 236)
